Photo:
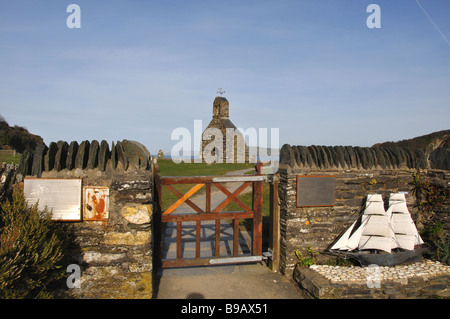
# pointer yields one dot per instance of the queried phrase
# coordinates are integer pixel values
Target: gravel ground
(337, 274)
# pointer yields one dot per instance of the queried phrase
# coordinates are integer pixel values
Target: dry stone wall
(86, 155)
(359, 171)
(114, 254)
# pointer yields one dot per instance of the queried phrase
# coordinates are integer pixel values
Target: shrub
(431, 201)
(306, 261)
(31, 250)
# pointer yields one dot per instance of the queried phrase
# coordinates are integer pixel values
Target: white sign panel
(61, 196)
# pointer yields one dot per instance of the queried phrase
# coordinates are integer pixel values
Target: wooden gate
(227, 240)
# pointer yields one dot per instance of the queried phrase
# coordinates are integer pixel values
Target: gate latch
(267, 254)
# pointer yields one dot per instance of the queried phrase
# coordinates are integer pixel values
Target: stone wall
(214, 148)
(115, 254)
(359, 171)
(7, 176)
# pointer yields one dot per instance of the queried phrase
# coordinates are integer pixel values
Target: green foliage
(306, 261)
(430, 199)
(429, 196)
(434, 231)
(17, 137)
(425, 142)
(438, 241)
(31, 250)
(440, 249)
(443, 250)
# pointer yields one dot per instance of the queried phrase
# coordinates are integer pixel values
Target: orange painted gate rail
(210, 214)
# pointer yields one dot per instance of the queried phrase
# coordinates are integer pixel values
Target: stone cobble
(400, 273)
(427, 279)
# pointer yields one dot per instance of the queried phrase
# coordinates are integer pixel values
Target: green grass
(8, 159)
(169, 168)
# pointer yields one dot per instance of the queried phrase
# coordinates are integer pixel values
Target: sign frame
(329, 201)
(45, 190)
(103, 202)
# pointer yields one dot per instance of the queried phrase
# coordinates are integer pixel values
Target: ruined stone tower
(221, 139)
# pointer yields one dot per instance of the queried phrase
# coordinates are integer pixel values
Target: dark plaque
(315, 190)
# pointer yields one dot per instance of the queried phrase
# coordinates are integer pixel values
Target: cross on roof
(220, 92)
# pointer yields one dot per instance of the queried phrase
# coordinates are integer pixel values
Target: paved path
(244, 281)
(238, 281)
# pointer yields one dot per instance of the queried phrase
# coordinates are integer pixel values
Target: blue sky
(139, 69)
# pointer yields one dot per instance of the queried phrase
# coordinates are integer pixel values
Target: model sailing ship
(380, 237)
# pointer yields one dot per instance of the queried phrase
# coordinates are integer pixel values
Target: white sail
(405, 230)
(403, 224)
(405, 241)
(353, 241)
(379, 229)
(375, 242)
(376, 233)
(373, 223)
(374, 205)
(350, 239)
(343, 240)
(377, 225)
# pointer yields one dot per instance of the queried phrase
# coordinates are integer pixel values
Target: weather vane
(220, 92)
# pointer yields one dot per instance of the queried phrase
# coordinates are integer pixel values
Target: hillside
(17, 138)
(427, 143)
